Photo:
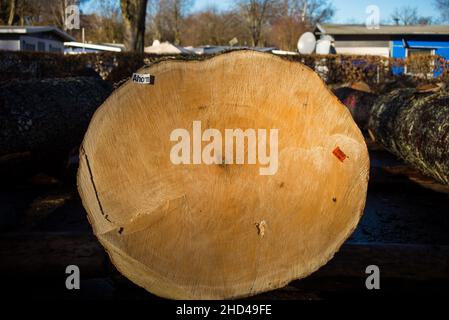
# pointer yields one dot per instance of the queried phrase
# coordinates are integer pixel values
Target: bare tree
(296, 17)
(7, 11)
(309, 11)
(36, 12)
(12, 11)
(3, 11)
(285, 31)
(214, 27)
(318, 11)
(405, 16)
(257, 14)
(176, 10)
(105, 25)
(443, 7)
(169, 18)
(25, 12)
(133, 15)
(424, 21)
(156, 22)
(57, 11)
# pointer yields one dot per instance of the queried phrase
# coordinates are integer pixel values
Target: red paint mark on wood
(351, 102)
(339, 154)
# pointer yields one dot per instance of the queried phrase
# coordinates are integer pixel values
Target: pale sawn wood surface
(190, 231)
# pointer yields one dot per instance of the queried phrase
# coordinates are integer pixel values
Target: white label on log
(144, 78)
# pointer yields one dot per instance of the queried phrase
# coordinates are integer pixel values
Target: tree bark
(415, 127)
(178, 229)
(12, 12)
(133, 14)
(411, 124)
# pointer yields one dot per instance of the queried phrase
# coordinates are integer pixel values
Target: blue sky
(355, 9)
(219, 4)
(347, 10)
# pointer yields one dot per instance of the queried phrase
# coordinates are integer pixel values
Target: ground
(403, 230)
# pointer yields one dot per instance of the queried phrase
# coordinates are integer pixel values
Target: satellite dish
(323, 46)
(306, 43)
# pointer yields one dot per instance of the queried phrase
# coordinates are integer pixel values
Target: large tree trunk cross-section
(222, 230)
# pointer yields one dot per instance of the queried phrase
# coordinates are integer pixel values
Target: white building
(73, 47)
(33, 38)
(387, 40)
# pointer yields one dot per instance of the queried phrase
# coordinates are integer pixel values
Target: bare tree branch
(443, 8)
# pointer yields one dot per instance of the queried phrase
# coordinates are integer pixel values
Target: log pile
(41, 120)
(359, 104)
(204, 225)
(412, 123)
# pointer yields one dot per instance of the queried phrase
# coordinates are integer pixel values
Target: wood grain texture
(193, 231)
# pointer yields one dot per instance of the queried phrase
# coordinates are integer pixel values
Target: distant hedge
(376, 70)
(115, 67)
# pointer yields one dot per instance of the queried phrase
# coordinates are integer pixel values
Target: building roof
(208, 49)
(36, 29)
(352, 29)
(113, 44)
(93, 46)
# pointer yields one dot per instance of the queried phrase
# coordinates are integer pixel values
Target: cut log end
(215, 228)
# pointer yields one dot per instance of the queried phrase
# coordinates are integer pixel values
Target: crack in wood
(94, 186)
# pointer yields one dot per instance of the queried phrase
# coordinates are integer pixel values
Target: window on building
(41, 46)
(54, 49)
(26, 46)
(419, 61)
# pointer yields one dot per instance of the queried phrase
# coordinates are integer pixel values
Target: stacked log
(411, 123)
(222, 229)
(42, 120)
(415, 126)
(359, 104)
